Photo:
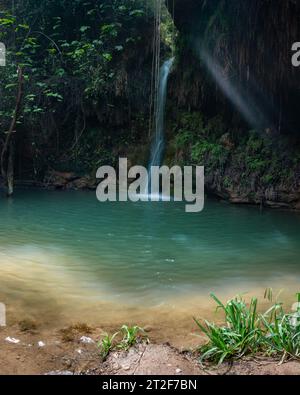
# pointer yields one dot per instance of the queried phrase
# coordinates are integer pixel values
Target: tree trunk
(10, 168)
(7, 153)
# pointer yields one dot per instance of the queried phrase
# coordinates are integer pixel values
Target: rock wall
(248, 45)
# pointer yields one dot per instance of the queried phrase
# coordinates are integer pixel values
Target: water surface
(64, 254)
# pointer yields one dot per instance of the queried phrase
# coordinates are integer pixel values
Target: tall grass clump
(131, 335)
(282, 331)
(106, 344)
(241, 334)
(246, 331)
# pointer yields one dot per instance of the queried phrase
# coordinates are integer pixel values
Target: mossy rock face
(242, 166)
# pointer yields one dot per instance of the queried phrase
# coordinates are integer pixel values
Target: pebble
(85, 339)
(41, 344)
(60, 373)
(67, 362)
(12, 340)
(178, 370)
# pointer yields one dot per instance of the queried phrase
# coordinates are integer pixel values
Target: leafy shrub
(183, 138)
(240, 336)
(209, 154)
(283, 331)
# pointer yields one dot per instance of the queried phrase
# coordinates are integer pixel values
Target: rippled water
(66, 253)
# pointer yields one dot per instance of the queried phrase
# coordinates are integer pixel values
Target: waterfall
(158, 142)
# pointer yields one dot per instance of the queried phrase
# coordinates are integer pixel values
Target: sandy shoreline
(58, 356)
(172, 321)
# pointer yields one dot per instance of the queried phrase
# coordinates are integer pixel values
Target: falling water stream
(159, 140)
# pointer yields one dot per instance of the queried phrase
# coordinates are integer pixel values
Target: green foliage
(296, 159)
(199, 139)
(70, 53)
(254, 143)
(283, 331)
(241, 335)
(268, 179)
(93, 151)
(168, 31)
(252, 157)
(192, 121)
(256, 164)
(246, 331)
(184, 139)
(212, 154)
(107, 344)
(227, 182)
(130, 336)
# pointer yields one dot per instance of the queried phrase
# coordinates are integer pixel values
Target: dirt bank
(63, 352)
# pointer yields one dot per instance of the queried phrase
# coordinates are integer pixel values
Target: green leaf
(136, 13)
(107, 56)
(84, 28)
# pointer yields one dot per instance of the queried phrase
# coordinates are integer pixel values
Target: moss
(254, 143)
(196, 140)
(240, 160)
(256, 164)
(183, 138)
(193, 121)
(227, 182)
(27, 325)
(209, 154)
(268, 179)
(70, 333)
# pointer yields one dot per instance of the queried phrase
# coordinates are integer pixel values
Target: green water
(56, 245)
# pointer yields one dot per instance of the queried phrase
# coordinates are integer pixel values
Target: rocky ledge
(69, 180)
